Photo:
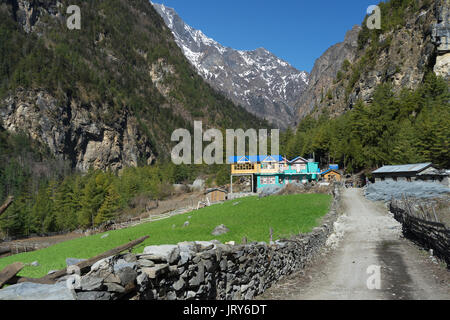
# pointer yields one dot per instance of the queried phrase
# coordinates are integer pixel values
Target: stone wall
(203, 270)
(189, 270)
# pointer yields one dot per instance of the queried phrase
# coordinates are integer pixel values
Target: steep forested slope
(108, 95)
(387, 105)
(401, 53)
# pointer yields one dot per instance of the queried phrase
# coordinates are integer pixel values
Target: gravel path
(367, 235)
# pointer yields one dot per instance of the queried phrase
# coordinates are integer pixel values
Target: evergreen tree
(109, 206)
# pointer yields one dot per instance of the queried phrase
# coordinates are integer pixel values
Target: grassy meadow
(248, 217)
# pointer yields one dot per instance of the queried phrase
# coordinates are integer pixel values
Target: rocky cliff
(108, 95)
(71, 132)
(441, 38)
(325, 70)
(402, 52)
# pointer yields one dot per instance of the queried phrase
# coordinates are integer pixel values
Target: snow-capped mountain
(259, 81)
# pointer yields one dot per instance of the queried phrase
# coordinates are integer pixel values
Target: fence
(136, 221)
(15, 248)
(421, 224)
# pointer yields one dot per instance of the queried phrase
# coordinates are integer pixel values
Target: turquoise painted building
(298, 170)
(274, 170)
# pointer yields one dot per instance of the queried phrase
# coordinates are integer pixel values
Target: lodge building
(412, 172)
(269, 170)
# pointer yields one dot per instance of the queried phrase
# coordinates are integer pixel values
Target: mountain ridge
(261, 82)
(401, 53)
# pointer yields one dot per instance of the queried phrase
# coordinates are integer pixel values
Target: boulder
(122, 264)
(94, 295)
(219, 230)
(156, 271)
(142, 281)
(73, 261)
(171, 296)
(146, 263)
(164, 253)
(198, 185)
(35, 291)
(102, 264)
(91, 283)
(130, 257)
(179, 284)
(205, 245)
(127, 276)
(114, 287)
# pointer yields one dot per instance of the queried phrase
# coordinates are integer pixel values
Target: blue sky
(298, 31)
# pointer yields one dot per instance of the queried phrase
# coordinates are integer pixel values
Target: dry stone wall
(188, 270)
(203, 269)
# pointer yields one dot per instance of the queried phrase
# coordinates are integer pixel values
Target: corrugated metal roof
(433, 172)
(403, 168)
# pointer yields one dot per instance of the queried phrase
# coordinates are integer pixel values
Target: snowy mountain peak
(264, 84)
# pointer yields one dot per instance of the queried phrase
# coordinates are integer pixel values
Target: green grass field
(251, 217)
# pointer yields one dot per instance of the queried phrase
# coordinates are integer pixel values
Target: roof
(430, 171)
(262, 158)
(255, 159)
(298, 158)
(215, 189)
(328, 171)
(418, 167)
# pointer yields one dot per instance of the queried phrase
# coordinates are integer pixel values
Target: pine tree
(109, 206)
(91, 199)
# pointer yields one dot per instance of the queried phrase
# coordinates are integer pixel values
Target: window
(267, 166)
(268, 180)
(244, 167)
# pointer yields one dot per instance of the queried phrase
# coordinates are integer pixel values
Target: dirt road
(368, 236)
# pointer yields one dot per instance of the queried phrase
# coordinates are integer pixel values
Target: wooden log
(9, 272)
(435, 216)
(5, 250)
(6, 204)
(51, 278)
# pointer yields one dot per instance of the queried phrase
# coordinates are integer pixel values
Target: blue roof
(255, 159)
